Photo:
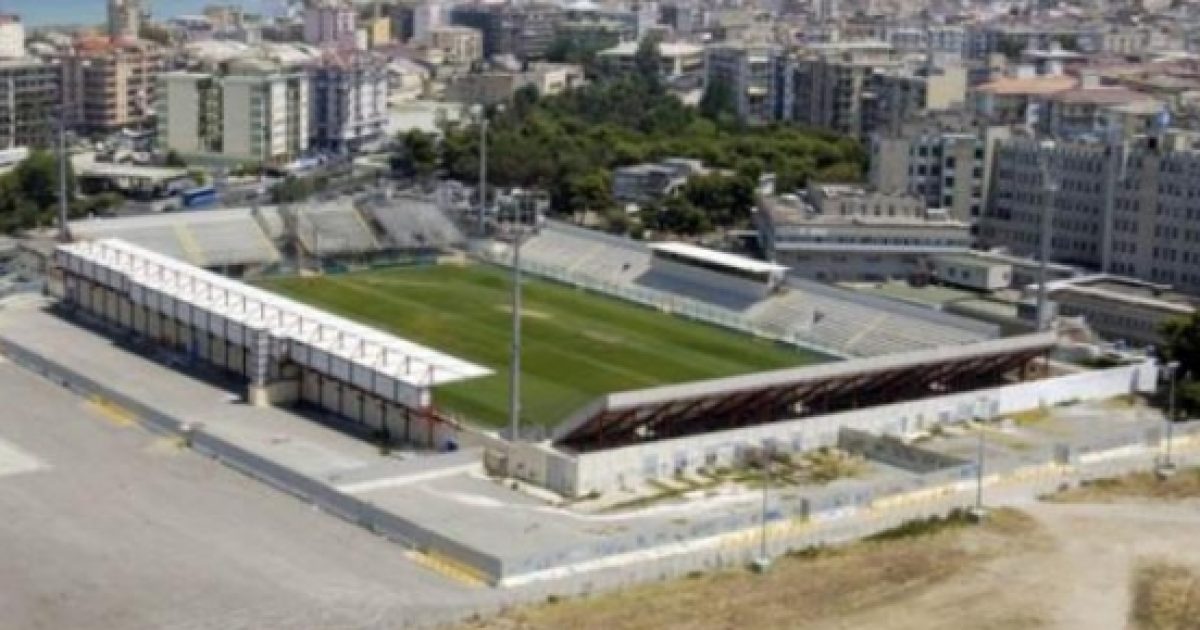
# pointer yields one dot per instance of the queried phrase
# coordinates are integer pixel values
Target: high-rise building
(348, 102)
(1126, 208)
(108, 84)
(755, 77)
(29, 99)
(124, 18)
(331, 23)
(12, 37)
(252, 110)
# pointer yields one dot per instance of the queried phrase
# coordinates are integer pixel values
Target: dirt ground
(1060, 564)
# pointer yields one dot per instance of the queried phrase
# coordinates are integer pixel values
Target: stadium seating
(825, 317)
(333, 228)
(212, 238)
(409, 222)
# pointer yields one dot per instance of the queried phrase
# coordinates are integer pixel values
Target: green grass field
(576, 345)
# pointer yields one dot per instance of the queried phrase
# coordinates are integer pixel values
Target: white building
(253, 112)
(12, 37)
(348, 106)
(124, 18)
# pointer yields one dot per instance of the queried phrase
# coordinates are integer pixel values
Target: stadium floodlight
(1046, 150)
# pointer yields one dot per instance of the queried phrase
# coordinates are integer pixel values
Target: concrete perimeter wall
(609, 470)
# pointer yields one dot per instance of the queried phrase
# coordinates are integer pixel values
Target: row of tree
(568, 145)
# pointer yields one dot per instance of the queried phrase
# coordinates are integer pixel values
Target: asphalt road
(108, 526)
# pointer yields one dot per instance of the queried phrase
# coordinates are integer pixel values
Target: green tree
(174, 160)
(417, 155)
(1181, 342)
(647, 62)
(292, 189)
(718, 102)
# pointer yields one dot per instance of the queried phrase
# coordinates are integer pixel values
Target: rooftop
(1124, 289)
(714, 257)
(256, 309)
(1113, 95)
(1040, 86)
(665, 49)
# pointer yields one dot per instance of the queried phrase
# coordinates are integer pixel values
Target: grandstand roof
(719, 258)
(625, 418)
(378, 352)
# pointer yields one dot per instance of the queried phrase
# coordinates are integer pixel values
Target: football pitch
(576, 345)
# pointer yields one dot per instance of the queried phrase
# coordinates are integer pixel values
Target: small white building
(12, 37)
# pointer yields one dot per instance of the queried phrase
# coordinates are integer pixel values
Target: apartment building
(1128, 208)
(252, 110)
(124, 19)
(348, 102)
(831, 85)
(12, 36)
(525, 31)
(455, 47)
(109, 84)
(331, 23)
(756, 77)
(949, 167)
(29, 97)
(676, 59)
(900, 94)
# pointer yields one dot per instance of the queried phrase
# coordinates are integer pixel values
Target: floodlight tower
(1050, 187)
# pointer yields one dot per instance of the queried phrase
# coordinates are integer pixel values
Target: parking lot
(109, 526)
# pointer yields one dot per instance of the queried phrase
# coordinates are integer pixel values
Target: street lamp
(1166, 467)
(978, 513)
(763, 561)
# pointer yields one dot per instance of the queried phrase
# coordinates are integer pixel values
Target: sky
(41, 12)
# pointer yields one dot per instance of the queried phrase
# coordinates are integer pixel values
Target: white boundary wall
(611, 469)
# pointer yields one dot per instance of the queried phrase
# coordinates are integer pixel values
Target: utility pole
(1167, 467)
(763, 561)
(978, 513)
(64, 228)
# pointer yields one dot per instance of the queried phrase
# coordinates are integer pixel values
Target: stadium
(639, 360)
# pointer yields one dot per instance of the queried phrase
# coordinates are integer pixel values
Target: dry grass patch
(1166, 596)
(1185, 484)
(809, 588)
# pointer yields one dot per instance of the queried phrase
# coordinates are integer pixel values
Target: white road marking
(14, 461)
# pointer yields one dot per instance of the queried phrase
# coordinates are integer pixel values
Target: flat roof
(415, 365)
(715, 257)
(1129, 291)
(106, 169)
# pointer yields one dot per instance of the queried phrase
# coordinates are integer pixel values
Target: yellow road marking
(115, 414)
(458, 571)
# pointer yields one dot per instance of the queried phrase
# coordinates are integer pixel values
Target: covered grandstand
(625, 418)
(289, 352)
(624, 439)
(830, 319)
